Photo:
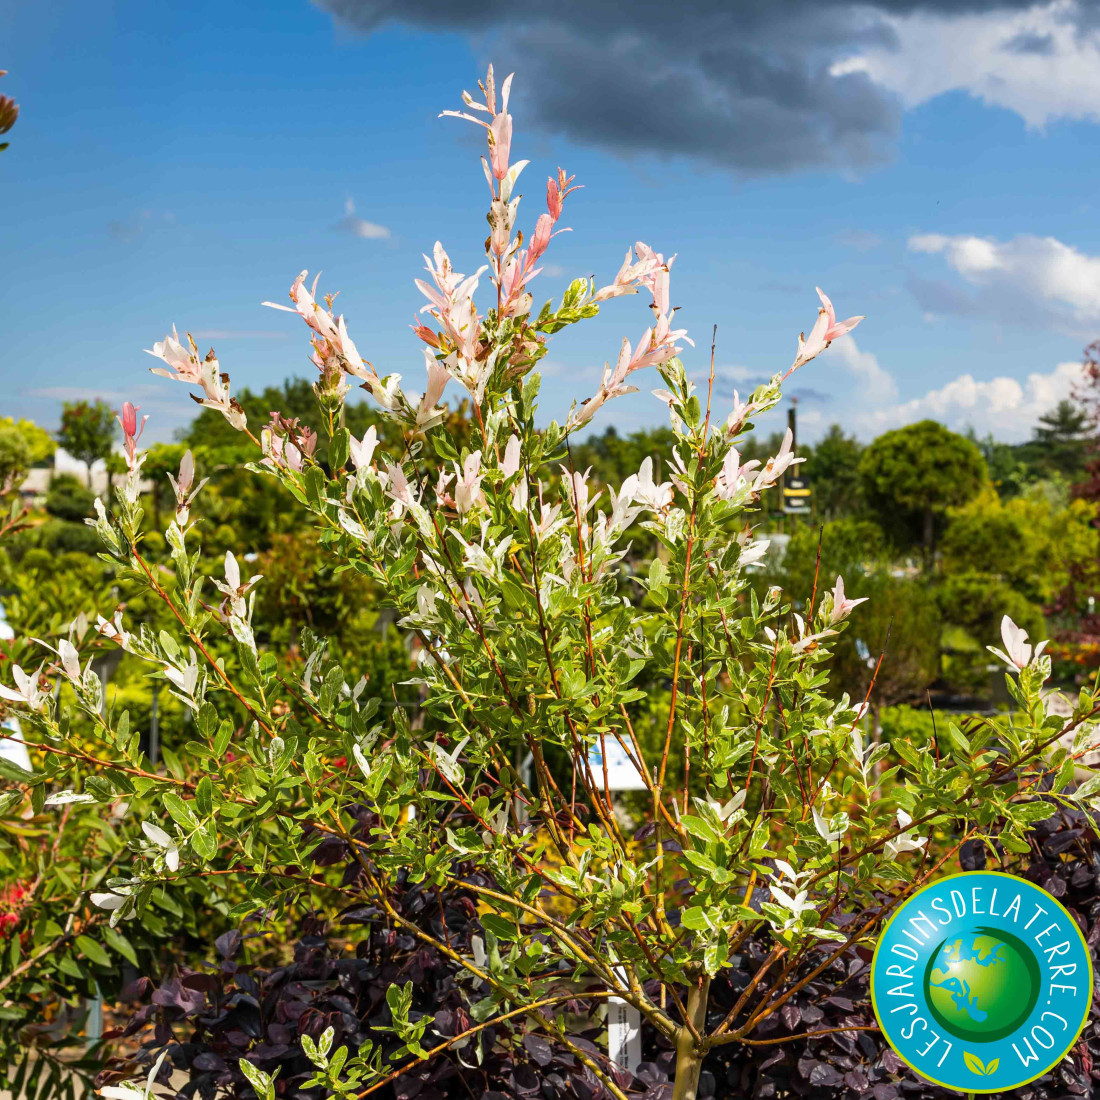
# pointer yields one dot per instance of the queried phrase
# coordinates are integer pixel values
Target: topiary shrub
(69, 500)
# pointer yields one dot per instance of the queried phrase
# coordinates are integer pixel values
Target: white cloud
(357, 227)
(842, 367)
(866, 398)
(875, 384)
(1004, 407)
(1037, 271)
(1041, 62)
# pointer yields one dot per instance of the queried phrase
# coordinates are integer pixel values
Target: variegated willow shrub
(536, 645)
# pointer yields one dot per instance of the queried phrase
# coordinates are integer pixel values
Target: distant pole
(792, 425)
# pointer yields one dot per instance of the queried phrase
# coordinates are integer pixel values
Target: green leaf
(1089, 789)
(700, 828)
(67, 965)
(1065, 774)
(658, 576)
(695, 918)
(9, 799)
(337, 1062)
(180, 811)
(907, 752)
(206, 720)
(205, 842)
(204, 796)
(1013, 843)
(262, 1083)
(172, 762)
(12, 771)
(93, 951)
(338, 449)
(221, 742)
(1031, 812)
(501, 928)
(121, 944)
(310, 1047)
(959, 744)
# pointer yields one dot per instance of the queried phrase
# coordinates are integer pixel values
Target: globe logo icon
(981, 985)
(981, 982)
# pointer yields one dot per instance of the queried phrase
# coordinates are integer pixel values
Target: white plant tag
(621, 773)
(624, 1034)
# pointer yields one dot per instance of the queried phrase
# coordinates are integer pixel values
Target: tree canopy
(911, 476)
(87, 431)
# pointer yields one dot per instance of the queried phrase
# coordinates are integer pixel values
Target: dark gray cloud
(742, 85)
(1003, 304)
(1028, 42)
(808, 396)
(728, 380)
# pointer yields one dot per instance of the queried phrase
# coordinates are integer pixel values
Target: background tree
(900, 619)
(832, 465)
(68, 499)
(88, 429)
(40, 444)
(913, 475)
(23, 444)
(850, 546)
(1036, 545)
(1009, 472)
(613, 456)
(68, 504)
(14, 457)
(1059, 445)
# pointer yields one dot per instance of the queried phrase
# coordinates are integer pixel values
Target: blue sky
(182, 162)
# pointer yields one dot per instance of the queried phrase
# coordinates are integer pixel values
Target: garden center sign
(981, 982)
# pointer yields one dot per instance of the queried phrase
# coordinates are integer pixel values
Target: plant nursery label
(621, 773)
(624, 1034)
(981, 982)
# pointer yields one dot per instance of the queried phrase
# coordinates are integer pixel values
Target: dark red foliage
(214, 1015)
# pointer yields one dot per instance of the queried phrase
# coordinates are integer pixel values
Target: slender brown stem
(546, 1002)
(809, 1035)
(198, 642)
